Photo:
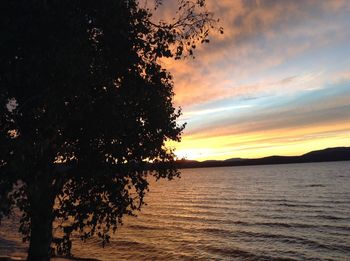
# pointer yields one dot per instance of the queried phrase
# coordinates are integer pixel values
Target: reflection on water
(295, 211)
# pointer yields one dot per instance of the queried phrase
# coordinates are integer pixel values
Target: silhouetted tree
(85, 106)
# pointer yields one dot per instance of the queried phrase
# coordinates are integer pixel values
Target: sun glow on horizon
(255, 145)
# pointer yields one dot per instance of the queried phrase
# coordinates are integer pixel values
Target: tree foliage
(85, 107)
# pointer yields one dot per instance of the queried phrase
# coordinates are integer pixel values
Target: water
(292, 212)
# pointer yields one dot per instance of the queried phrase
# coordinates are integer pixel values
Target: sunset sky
(276, 83)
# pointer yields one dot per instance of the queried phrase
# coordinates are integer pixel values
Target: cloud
(316, 107)
(259, 36)
(215, 110)
(292, 143)
(277, 81)
(314, 120)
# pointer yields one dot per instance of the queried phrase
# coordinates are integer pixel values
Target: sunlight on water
(295, 211)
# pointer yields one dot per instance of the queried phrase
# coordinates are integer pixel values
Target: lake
(291, 212)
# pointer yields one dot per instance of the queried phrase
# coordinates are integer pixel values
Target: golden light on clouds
(259, 144)
(276, 83)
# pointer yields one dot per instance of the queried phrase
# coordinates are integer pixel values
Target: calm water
(294, 212)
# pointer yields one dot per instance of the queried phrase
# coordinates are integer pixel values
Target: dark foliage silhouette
(85, 106)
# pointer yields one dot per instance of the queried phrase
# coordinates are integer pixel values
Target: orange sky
(276, 83)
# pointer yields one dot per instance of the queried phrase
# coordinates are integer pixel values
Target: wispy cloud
(259, 36)
(215, 110)
(279, 75)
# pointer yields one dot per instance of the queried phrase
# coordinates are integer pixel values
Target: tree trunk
(41, 209)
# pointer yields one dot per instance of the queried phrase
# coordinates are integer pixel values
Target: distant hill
(233, 159)
(339, 153)
(330, 154)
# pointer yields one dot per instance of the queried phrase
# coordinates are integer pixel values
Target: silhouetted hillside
(330, 154)
(233, 159)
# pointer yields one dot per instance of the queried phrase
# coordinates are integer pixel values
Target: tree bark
(41, 214)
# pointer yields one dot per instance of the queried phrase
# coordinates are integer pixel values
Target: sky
(277, 82)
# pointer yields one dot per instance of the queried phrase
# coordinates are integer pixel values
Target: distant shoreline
(267, 164)
(326, 155)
